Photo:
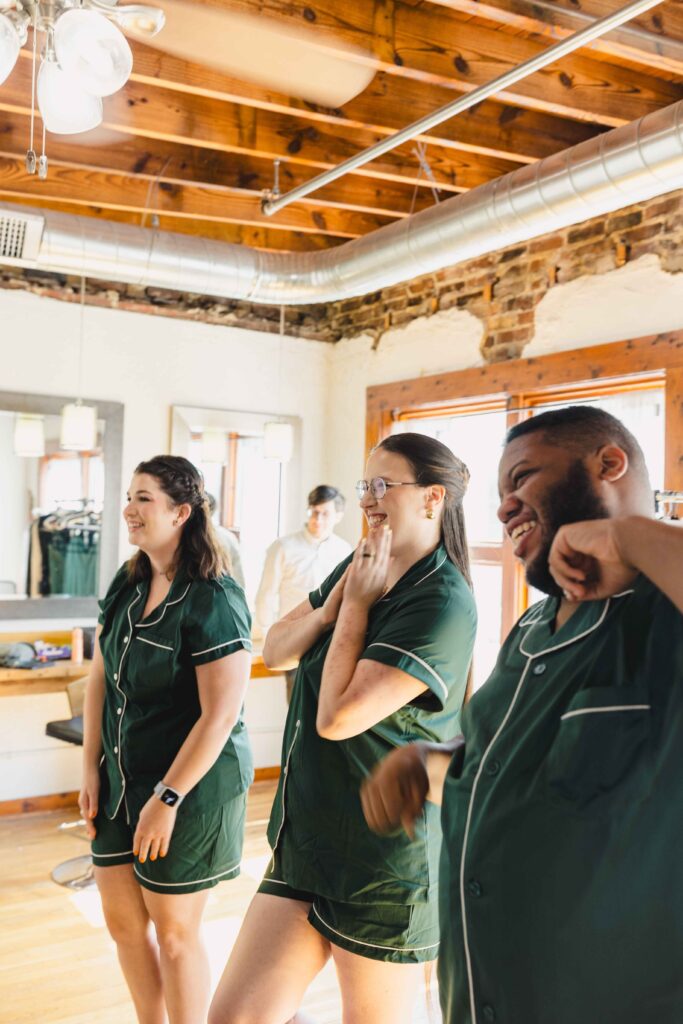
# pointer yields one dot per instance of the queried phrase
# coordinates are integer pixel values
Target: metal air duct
(627, 165)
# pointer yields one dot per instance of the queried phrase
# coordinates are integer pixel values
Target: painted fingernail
(142, 860)
(135, 853)
(152, 858)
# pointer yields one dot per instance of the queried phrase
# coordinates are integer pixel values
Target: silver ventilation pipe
(627, 165)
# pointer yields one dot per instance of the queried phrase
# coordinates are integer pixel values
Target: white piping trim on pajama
(410, 654)
(146, 625)
(152, 643)
(226, 643)
(613, 707)
(373, 945)
(431, 571)
(125, 701)
(194, 881)
(123, 853)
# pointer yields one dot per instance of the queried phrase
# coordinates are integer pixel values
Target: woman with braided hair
(166, 755)
(384, 649)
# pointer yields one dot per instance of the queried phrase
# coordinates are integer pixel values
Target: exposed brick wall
(504, 288)
(300, 322)
(501, 289)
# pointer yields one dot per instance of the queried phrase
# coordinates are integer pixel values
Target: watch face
(169, 797)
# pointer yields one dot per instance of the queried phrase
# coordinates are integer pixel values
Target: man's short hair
(322, 493)
(583, 429)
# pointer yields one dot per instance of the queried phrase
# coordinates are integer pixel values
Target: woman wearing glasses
(384, 648)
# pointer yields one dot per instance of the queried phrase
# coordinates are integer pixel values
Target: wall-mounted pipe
(496, 85)
(624, 166)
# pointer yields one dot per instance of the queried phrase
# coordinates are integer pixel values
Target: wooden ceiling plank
(194, 120)
(490, 129)
(96, 188)
(460, 54)
(657, 47)
(183, 164)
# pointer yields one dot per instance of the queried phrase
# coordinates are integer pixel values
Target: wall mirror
(59, 518)
(257, 496)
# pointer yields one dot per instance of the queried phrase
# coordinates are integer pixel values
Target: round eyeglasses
(378, 486)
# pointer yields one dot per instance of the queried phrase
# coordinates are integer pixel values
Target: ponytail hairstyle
(199, 552)
(433, 463)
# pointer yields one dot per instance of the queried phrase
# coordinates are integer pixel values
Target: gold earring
(175, 522)
(430, 513)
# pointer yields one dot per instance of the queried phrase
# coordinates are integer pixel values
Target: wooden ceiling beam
(119, 192)
(153, 160)
(490, 129)
(237, 234)
(654, 41)
(154, 113)
(462, 54)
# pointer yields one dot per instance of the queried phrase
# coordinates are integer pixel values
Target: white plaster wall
(14, 510)
(150, 363)
(446, 341)
(638, 299)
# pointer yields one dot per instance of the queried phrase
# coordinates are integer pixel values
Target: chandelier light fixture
(84, 56)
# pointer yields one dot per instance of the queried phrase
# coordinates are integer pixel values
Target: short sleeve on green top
(151, 692)
(428, 622)
(317, 827)
(562, 826)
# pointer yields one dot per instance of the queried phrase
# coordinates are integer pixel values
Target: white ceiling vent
(20, 235)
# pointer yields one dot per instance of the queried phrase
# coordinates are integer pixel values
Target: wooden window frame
(523, 384)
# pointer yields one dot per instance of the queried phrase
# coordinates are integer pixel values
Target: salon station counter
(39, 772)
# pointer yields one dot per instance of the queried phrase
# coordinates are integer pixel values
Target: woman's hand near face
(367, 578)
(154, 829)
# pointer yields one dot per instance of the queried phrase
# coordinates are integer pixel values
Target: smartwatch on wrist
(169, 796)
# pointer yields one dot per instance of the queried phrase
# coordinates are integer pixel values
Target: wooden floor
(57, 963)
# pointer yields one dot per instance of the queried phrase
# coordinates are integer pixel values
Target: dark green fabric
(80, 565)
(381, 931)
(205, 849)
(424, 626)
(572, 783)
(150, 671)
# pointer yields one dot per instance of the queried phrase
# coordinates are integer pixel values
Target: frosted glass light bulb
(93, 50)
(9, 47)
(64, 107)
(78, 428)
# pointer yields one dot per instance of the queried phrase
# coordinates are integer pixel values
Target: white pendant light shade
(79, 428)
(278, 441)
(29, 436)
(9, 47)
(93, 50)
(214, 446)
(64, 107)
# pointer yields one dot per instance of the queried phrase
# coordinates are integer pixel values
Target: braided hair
(199, 552)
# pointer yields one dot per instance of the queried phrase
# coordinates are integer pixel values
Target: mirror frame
(112, 451)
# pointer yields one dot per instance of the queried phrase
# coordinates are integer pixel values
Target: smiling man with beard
(560, 890)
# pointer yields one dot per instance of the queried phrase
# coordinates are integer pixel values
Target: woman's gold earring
(430, 513)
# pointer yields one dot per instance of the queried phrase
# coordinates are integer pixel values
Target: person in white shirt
(298, 563)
